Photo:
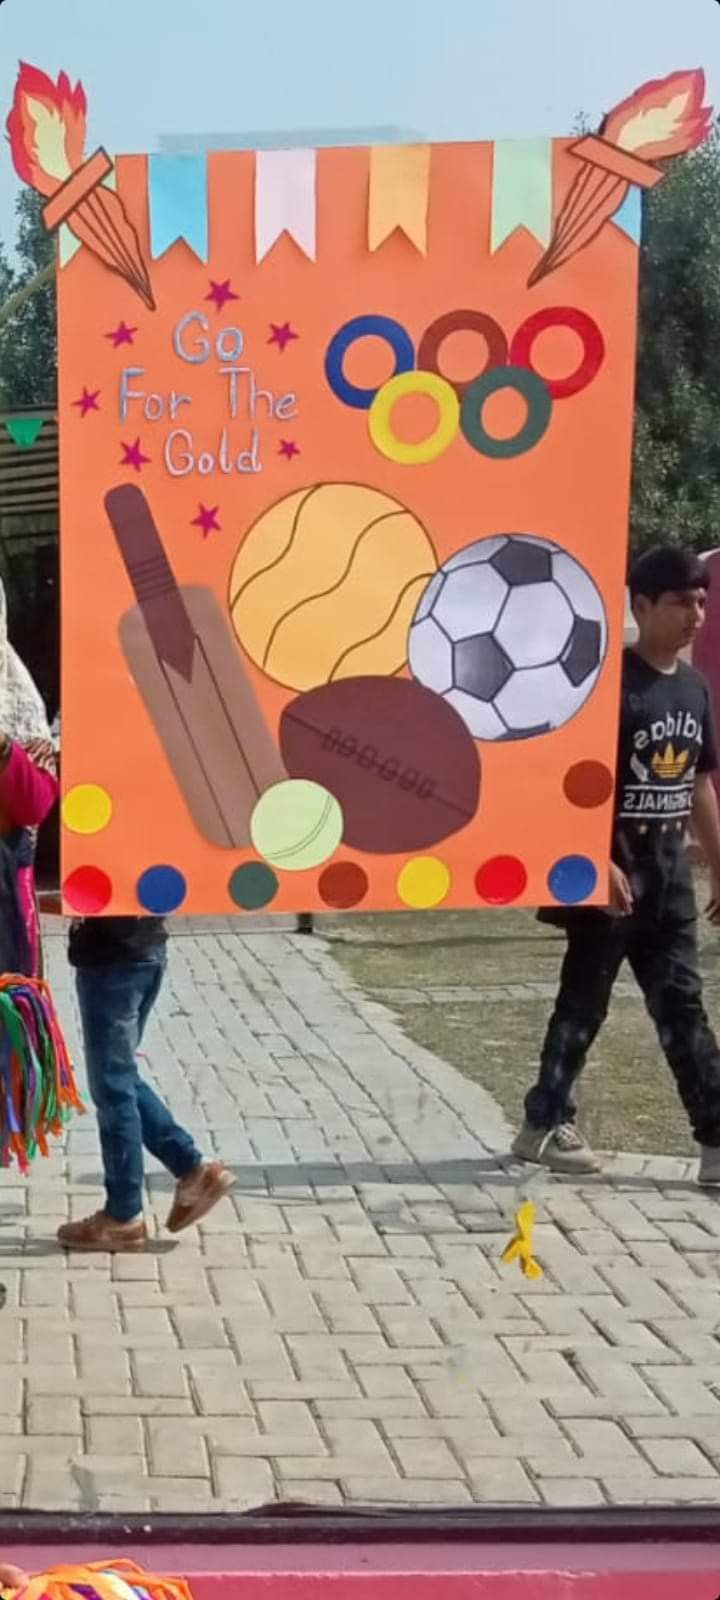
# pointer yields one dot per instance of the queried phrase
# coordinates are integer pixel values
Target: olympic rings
(380, 417)
(508, 365)
(361, 328)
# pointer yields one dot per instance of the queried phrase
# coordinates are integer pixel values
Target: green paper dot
(252, 886)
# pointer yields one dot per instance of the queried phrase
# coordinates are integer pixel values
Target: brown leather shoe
(101, 1232)
(197, 1194)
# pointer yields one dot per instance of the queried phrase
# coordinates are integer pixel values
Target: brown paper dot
(588, 784)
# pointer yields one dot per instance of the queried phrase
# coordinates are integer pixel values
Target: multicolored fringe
(37, 1083)
(102, 1580)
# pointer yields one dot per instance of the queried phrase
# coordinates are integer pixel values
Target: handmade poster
(345, 463)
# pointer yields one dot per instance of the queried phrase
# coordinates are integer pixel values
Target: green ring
(539, 404)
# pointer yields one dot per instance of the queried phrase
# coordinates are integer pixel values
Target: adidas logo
(670, 764)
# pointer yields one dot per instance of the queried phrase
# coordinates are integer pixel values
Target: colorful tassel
(37, 1082)
(116, 1579)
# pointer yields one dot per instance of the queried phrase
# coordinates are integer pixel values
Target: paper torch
(46, 128)
(663, 118)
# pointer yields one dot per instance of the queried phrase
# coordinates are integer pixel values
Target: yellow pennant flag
(520, 1246)
(399, 185)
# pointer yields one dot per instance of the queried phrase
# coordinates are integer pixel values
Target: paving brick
(115, 1436)
(321, 1494)
(220, 1393)
(426, 1458)
(568, 1492)
(503, 1481)
(682, 1391)
(54, 1414)
(678, 1458)
(377, 1410)
(639, 1490)
(243, 1484)
(402, 1491)
(155, 1377)
(176, 1449)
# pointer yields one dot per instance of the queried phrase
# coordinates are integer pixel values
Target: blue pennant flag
(177, 187)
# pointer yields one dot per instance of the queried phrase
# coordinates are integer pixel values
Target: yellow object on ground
(520, 1246)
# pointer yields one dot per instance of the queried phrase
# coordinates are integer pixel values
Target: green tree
(28, 340)
(676, 481)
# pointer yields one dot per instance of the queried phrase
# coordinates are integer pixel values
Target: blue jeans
(115, 1003)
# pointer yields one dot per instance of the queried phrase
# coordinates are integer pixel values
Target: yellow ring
(380, 417)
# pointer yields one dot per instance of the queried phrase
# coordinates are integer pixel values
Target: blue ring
(572, 879)
(161, 890)
(361, 328)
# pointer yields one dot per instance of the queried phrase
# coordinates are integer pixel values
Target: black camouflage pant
(659, 941)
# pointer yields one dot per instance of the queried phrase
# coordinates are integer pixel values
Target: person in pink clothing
(28, 791)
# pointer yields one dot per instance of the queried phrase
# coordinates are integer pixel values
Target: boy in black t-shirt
(666, 756)
(120, 964)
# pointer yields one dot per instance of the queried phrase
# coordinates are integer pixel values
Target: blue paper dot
(161, 889)
(572, 879)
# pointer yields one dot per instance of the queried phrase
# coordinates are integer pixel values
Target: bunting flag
(68, 243)
(24, 431)
(177, 190)
(285, 199)
(629, 215)
(399, 188)
(522, 189)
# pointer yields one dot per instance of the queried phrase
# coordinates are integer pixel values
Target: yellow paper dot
(87, 808)
(423, 882)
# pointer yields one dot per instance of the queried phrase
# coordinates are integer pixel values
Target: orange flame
(663, 118)
(46, 128)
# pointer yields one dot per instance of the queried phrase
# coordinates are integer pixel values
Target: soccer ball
(512, 632)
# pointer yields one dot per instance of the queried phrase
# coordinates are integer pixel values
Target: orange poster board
(345, 465)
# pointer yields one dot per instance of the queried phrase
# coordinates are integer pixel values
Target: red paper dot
(88, 890)
(588, 784)
(342, 885)
(501, 880)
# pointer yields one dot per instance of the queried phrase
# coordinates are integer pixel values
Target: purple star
(288, 449)
(220, 293)
(281, 334)
(88, 401)
(133, 456)
(207, 519)
(122, 334)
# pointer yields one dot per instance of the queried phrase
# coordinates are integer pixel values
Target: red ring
(462, 322)
(561, 317)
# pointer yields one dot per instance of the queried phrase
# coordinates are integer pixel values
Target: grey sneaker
(561, 1150)
(709, 1169)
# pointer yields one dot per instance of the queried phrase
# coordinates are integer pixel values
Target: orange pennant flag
(399, 185)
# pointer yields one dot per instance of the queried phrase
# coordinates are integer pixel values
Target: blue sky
(440, 68)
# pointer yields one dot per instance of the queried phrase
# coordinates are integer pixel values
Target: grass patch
(443, 975)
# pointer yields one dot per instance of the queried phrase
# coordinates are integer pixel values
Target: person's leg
(200, 1184)
(593, 959)
(161, 1134)
(665, 964)
(110, 999)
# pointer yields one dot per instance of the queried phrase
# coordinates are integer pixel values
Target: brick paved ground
(342, 1329)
